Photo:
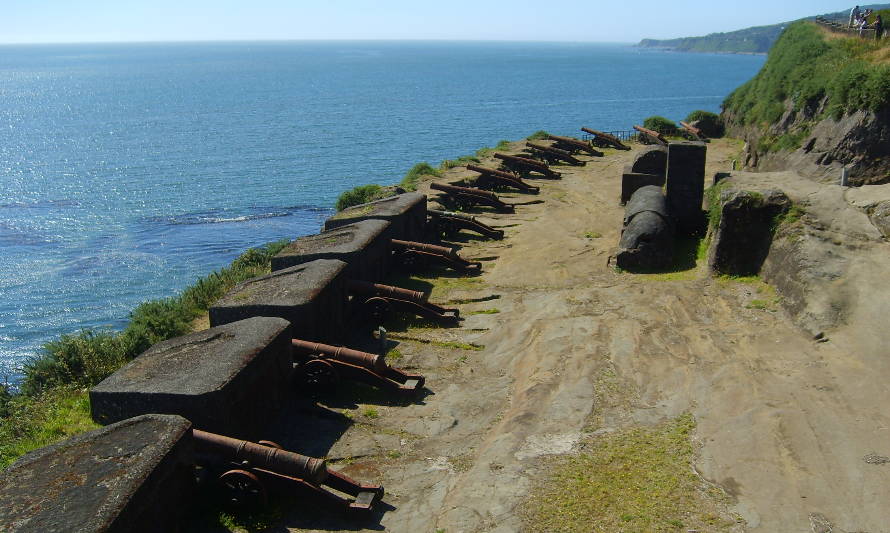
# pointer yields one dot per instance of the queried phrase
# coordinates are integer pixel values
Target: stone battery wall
(364, 246)
(651, 160)
(631, 181)
(406, 214)
(133, 476)
(312, 297)
(686, 185)
(229, 379)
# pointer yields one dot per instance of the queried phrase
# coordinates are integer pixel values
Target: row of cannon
(201, 400)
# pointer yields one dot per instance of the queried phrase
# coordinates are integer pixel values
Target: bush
(660, 124)
(409, 182)
(359, 195)
(460, 161)
(709, 123)
(538, 135)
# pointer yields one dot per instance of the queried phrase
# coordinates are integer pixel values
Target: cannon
(524, 164)
(322, 366)
(605, 140)
(653, 137)
(574, 145)
(694, 132)
(447, 224)
(552, 154)
(246, 470)
(465, 197)
(413, 254)
(490, 177)
(647, 236)
(375, 301)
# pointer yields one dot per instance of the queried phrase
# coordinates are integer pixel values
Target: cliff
(820, 102)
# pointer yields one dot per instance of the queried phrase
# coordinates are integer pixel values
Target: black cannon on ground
(448, 223)
(551, 154)
(322, 366)
(248, 470)
(573, 145)
(526, 165)
(605, 140)
(693, 132)
(412, 255)
(491, 177)
(375, 301)
(465, 197)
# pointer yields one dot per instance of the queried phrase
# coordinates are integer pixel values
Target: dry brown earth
(795, 431)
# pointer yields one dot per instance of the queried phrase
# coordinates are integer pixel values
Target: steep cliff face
(819, 104)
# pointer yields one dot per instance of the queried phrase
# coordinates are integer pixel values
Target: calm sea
(128, 171)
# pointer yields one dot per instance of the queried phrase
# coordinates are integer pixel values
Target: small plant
(660, 124)
(371, 413)
(492, 311)
(393, 454)
(448, 164)
(503, 145)
(538, 135)
(592, 235)
(394, 355)
(358, 195)
(409, 182)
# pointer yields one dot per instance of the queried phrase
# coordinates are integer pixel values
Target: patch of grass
(459, 162)
(393, 454)
(592, 235)
(660, 124)
(687, 254)
(359, 195)
(538, 135)
(394, 355)
(503, 144)
(759, 304)
(715, 207)
(792, 215)
(635, 480)
(492, 311)
(786, 142)
(488, 298)
(412, 177)
(370, 412)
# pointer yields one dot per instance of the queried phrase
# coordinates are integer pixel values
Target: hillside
(820, 102)
(756, 40)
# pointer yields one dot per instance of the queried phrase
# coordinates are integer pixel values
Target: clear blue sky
(42, 21)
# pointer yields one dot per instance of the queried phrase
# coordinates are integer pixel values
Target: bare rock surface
(577, 350)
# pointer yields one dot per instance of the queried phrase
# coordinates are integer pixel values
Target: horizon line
(365, 40)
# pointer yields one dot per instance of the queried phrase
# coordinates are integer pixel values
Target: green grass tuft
(359, 195)
(409, 182)
(538, 135)
(660, 124)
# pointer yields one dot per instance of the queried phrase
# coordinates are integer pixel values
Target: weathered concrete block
(647, 239)
(631, 181)
(742, 238)
(406, 214)
(686, 185)
(651, 160)
(133, 476)
(364, 246)
(229, 379)
(312, 297)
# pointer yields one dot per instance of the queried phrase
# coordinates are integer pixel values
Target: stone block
(686, 185)
(133, 476)
(651, 160)
(631, 181)
(364, 246)
(742, 239)
(406, 214)
(228, 379)
(312, 297)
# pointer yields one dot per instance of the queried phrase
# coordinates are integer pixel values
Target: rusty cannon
(552, 154)
(695, 133)
(416, 254)
(491, 177)
(573, 145)
(375, 301)
(605, 140)
(653, 137)
(448, 224)
(465, 197)
(247, 470)
(526, 165)
(322, 366)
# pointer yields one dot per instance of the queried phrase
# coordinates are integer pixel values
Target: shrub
(358, 195)
(538, 135)
(460, 161)
(709, 123)
(409, 182)
(660, 124)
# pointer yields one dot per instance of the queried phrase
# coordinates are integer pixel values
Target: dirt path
(795, 431)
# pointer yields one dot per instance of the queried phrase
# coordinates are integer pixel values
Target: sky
(65, 21)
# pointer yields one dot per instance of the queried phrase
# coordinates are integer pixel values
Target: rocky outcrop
(860, 141)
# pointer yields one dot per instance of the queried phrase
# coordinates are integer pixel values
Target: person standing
(854, 16)
(879, 27)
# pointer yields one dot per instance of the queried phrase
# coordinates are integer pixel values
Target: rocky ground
(559, 351)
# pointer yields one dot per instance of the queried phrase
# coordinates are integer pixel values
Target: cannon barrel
(364, 287)
(569, 140)
(441, 250)
(656, 136)
(522, 161)
(555, 152)
(493, 172)
(438, 213)
(608, 138)
(340, 353)
(264, 457)
(466, 190)
(691, 128)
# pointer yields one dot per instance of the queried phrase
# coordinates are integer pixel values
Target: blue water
(128, 171)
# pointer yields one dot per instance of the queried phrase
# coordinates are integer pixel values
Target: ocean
(127, 171)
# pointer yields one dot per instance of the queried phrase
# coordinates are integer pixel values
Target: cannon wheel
(410, 260)
(244, 489)
(376, 309)
(445, 228)
(319, 374)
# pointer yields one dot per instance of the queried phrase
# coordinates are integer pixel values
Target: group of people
(859, 19)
